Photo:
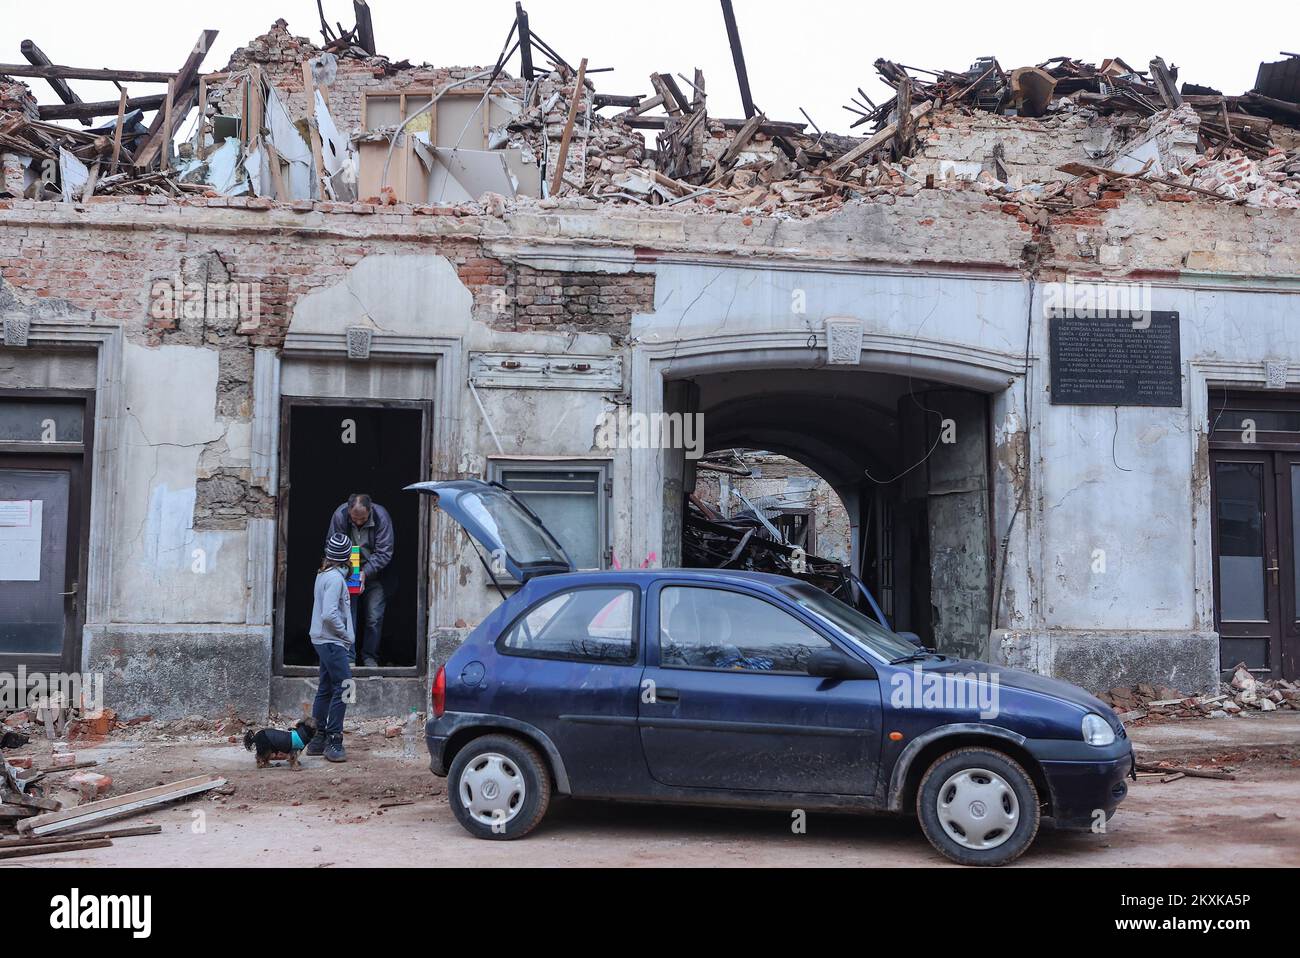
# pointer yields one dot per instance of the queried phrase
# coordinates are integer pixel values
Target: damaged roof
(291, 120)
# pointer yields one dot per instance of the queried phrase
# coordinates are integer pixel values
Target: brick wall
(114, 265)
(560, 301)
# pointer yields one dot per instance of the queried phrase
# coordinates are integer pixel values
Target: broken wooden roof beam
(87, 111)
(738, 58)
(35, 56)
(185, 96)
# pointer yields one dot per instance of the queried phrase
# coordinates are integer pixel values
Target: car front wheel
(500, 787)
(978, 807)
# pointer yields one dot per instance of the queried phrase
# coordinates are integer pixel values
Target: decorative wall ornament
(843, 342)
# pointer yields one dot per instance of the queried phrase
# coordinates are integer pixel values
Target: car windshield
(849, 622)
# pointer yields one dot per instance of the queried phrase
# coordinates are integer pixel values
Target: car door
(570, 665)
(726, 703)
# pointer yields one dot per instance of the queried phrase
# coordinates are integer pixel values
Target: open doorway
(330, 449)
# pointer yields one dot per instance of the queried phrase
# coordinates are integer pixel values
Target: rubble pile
(1174, 145)
(1242, 693)
(745, 542)
(1120, 128)
(604, 147)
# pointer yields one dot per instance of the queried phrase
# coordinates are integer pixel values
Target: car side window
(702, 628)
(593, 624)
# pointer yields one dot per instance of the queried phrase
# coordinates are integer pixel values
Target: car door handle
(667, 695)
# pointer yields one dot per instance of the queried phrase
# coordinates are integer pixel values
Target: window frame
(634, 654)
(761, 597)
(604, 494)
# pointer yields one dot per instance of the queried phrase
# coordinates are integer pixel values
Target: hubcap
(492, 789)
(977, 809)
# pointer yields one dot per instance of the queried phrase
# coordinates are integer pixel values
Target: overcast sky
(800, 53)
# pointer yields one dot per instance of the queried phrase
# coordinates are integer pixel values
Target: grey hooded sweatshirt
(331, 609)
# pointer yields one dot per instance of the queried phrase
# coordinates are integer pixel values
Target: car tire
(499, 787)
(978, 806)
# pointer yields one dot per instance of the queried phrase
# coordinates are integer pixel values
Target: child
(333, 638)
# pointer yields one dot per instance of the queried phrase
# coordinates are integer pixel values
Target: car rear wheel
(977, 806)
(500, 787)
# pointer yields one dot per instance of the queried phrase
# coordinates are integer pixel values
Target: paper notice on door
(20, 540)
(15, 512)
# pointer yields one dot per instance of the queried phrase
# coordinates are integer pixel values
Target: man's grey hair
(359, 499)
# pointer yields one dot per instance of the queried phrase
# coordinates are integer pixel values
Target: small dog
(271, 741)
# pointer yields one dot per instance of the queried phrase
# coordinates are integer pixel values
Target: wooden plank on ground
(53, 847)
(19, 841)
(109, 808)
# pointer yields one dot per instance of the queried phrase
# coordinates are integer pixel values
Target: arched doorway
(905, 441)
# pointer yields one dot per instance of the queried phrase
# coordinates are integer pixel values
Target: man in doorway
(368, 525)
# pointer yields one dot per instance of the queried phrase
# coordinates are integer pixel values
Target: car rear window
(596, 624)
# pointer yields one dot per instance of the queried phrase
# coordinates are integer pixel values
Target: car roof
(707, 575)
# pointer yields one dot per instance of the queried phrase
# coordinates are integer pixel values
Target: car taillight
(439, 692)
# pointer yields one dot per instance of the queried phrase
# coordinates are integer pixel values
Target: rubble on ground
(1244, 692)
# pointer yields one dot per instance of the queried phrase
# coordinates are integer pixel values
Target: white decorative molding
(17, 330)
(843, 342)
(1275, 372)
(359, 339)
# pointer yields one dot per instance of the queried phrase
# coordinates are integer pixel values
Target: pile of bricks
(1242, 693)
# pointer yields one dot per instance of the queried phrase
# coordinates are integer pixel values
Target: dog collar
(294, 741)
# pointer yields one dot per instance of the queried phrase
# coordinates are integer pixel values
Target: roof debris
(283, 122)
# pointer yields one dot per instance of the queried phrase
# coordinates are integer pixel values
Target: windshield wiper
(917, 656)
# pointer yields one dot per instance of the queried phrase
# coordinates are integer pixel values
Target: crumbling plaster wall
(934, 273)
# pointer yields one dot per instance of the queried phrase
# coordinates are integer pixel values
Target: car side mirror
(911, 637)
(834, 664)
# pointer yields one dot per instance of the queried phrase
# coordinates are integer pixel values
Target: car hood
(1025, 681)
(494, 517)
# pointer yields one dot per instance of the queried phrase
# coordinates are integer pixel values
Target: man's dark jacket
(379, 528)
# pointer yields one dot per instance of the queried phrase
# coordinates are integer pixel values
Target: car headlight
(1096, 730)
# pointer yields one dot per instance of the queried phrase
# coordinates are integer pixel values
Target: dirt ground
(380, 809)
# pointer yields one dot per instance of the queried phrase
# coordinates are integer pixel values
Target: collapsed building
(1031, 329)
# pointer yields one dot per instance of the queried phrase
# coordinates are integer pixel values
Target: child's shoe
(334, 750)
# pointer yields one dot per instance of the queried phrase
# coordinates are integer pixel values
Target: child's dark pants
(335, 672)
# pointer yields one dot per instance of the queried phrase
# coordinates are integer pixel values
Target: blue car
(717, 687)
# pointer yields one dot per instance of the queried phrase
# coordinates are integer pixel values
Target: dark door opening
(44, 503)
(1255, 479)
(331, 450)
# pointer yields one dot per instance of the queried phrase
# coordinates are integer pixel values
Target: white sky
(809, 53)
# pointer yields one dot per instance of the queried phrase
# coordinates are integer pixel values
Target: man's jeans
(373, 601)
(335, 671)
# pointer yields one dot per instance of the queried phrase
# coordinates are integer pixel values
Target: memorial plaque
(1115, 361)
